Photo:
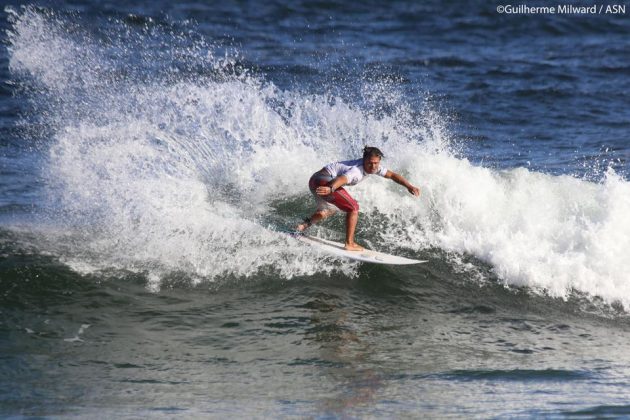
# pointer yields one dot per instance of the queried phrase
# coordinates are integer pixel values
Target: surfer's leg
(351, 223)
(324, 208)
(344, 201)
(318, 216)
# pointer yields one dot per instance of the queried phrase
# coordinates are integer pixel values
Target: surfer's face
(371, 164)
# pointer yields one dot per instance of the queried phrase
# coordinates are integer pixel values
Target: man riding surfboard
(327, 187)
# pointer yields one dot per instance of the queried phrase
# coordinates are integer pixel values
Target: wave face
(167, 158)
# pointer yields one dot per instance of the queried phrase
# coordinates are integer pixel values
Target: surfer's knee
(322, 214)
(351, 207)
(352, 217)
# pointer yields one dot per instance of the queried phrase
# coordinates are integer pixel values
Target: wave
(154, 170)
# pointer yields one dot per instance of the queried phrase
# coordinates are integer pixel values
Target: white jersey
(351, 169)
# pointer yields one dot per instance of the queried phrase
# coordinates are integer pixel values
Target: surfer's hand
(324, 190)
(414, 190)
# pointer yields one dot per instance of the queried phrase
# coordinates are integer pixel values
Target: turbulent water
(152, 155)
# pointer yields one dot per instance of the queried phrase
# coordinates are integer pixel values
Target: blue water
(150, 152)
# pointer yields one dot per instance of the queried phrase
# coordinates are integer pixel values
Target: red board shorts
(340, 199)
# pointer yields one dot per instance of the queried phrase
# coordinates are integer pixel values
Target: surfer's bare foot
(304, 225)
(353, 247)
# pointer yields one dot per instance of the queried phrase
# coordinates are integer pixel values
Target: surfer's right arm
(332, 185)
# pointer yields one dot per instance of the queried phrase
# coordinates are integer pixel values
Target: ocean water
(152, 153)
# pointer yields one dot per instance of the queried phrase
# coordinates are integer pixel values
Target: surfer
(327, 187)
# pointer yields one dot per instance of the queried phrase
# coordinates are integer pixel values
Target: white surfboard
(368, 255)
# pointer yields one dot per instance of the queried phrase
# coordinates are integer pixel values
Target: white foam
(77, 338)
(553, 233)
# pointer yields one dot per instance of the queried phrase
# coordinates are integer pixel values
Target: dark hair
(369, 152)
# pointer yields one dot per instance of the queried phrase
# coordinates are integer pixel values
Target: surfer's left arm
(399, 179)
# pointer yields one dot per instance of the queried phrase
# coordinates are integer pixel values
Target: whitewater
(191, 168)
